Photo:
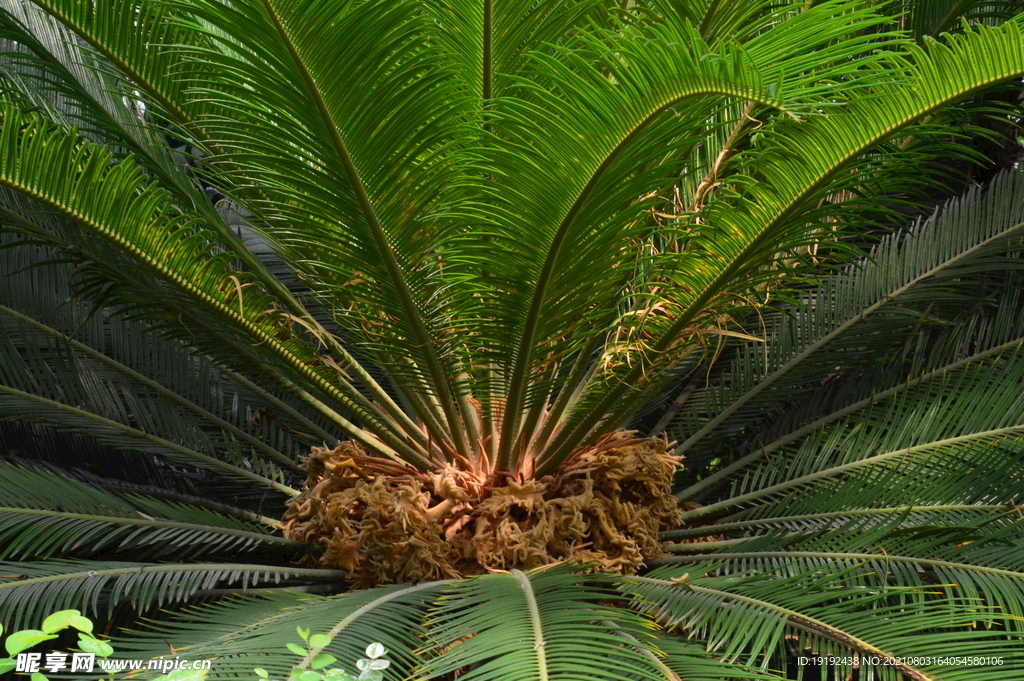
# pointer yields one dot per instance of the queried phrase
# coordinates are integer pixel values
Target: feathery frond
(439, 260)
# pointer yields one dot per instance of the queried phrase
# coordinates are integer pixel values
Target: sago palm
(439, 300)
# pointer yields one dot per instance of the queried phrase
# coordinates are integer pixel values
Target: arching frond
(875, 623)
(479, 239)
(98, 203)
(825, 333)
(45, 515)
(29, 590)
(254, 631)
(555, 628)
(801, 157)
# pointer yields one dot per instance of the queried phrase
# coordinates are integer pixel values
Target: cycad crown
(443, 289)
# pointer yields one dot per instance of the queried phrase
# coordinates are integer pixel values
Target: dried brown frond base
(385, 523)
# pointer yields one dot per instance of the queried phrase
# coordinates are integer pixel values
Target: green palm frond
(254, 631)
(609, 134)
(469, 246)
(119, 32)
(690, 660)
(79, 87)
(555, 628)
(163, 499)
(823, 334)
(73, 364)
(203, 276)
(350, 168)
(980, 546)
(76, 88)
(34, 408)
(904, 494)
(803, 156)
(930, 18)
(949, 429)
(49, 515)
(965, 560)
(874, 621)
(30, 589)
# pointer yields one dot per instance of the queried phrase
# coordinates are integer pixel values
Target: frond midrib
(520, 370)
(187, 404)
(536, 624)
(264, 538)
(438, 370)
(204, 459)
(660, 346)
(157, 568)
(817, 626)
(879, 304)
(221, 310)
(994, 433)
(762, 452)
(843, 555)
(741, 525)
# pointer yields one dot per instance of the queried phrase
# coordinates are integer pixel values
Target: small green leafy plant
(371, 668)
(20, 641)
